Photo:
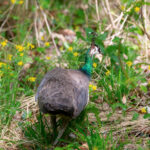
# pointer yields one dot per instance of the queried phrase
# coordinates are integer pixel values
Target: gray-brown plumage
(64, 92)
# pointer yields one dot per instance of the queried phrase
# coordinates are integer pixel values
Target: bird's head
(94, 50)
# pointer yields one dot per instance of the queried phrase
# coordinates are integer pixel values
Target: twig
(109, 13)
(144, 30)
(36, 31)
(97, 12)
(103, 6)
(122, 25)
(119, 19)
(10, 31)
(48, 27)
(50, 32)
(28, 32)
(10, 10)
(27, 4)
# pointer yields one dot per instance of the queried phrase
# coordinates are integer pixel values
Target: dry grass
(121, 126)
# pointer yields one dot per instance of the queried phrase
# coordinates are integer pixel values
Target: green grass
(115, 77)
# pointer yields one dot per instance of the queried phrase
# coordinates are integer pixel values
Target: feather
(63, 91)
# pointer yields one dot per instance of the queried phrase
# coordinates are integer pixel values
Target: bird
(65, 92)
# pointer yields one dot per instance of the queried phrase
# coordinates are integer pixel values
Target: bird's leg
(62, 130)
(54, 126)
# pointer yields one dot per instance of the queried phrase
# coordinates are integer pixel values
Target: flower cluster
(2, 64)
(32, 79)
(20, 63)
(136, 9)
(93, 87)
(9, 57)
(15, 1)
(47, 44)
(20, 48)
(30, 46)
(4, 43)
(94, 65)
(107, 73)
(48, 57)
(129, 63)
(70, 49)
(75, 54)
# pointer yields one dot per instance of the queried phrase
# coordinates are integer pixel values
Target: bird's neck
(87, 67)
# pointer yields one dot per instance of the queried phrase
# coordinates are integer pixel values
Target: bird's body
(64, 92)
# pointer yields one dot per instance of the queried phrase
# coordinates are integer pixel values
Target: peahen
(65, 92)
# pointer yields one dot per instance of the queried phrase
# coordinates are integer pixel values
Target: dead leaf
(124, 100)
(84, 147)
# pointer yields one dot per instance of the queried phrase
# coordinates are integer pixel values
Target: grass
(120, 83)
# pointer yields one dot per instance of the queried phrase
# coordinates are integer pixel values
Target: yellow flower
(95, 148)
(4, 43)
(21, 54)
(47, 44)
(70, 49)
(94, 65)
(76, 28)
(107, 73)
(149, 67)
(31, 79)
(9, 57)
(75, 54)
(11, 74)
(20, 63)
(94, 87)
(136, 9)
(41, 7)
(61, 48)
(90, 85)
(21, 2)
(32, 46)
(13, 1)
(129, 63)
(42, 38)
(1, 73)
(48, 57)
(29, 45)
(143, 110)
(148, 82)
(2, 64)
(122, 7)
(19, 48)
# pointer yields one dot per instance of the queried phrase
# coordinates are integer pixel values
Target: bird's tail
(58, 109)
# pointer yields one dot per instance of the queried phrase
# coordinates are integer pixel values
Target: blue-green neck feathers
(87, 67)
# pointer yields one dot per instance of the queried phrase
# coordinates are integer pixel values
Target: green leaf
(103, 36)
(147, 116)
(79, 36)
(143, 88)
(136, 30)
(135, 116)
(16, 17)
(116, 40)
(114, 106)
(41, 49)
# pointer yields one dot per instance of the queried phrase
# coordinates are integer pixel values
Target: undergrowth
(27, 53)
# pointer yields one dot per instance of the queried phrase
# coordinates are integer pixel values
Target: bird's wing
(46, 81)
(81, 90)
(55, 93)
